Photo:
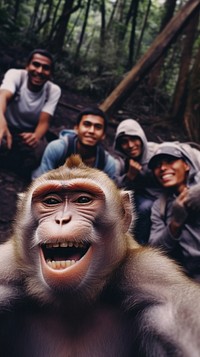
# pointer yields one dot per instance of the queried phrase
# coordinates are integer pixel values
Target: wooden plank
(143, 66)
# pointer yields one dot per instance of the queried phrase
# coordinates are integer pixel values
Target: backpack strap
(101, 159)
(69, 148)
(22, 79)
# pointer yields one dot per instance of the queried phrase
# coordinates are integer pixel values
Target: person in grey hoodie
(176, 214)
(135, 152)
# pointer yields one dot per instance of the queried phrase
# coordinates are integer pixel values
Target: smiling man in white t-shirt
(28, 100)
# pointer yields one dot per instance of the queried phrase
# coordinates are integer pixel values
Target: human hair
(42, 52)
(93, 111)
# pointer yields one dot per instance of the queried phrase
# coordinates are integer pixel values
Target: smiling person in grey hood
(176, 215)
(135, 152)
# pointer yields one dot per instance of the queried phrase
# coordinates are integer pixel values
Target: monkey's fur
(116, 299)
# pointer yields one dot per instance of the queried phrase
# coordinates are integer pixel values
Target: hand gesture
(30, 139)
(179, 209)
(133, 170)
(193, 198)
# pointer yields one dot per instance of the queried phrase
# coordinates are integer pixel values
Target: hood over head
(132, 128)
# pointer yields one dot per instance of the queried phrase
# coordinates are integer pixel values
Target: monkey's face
(73, 220)
(68, 214)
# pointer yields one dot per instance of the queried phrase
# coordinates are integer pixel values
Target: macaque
(75, 283)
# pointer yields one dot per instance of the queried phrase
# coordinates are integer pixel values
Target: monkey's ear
(21, 195)
(126, 197)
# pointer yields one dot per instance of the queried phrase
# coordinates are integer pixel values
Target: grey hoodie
(144, 179)
(188, 243)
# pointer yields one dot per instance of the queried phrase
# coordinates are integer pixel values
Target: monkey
(74, 282)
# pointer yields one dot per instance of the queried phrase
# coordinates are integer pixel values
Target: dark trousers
(21, 158)
(142, 227)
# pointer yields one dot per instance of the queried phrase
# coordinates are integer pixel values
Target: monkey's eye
(83, 199)
(51, 200)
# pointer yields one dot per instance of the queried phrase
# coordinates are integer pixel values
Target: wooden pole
(119, 94)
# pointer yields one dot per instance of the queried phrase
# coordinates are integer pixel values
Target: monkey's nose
(63, 220)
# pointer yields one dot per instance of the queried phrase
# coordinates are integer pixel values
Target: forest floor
(70, 104)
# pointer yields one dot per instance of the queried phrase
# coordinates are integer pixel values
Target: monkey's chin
(65, 273)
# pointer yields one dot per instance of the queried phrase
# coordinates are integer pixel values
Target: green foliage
(102, 60)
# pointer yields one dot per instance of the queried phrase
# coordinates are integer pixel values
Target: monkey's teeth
(62, 264)
(65, 245)
(60, 255)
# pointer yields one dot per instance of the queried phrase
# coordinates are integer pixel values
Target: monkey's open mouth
(63, 255)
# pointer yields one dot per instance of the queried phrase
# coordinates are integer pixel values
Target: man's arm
(164, 233)
(5, 96)
(32, 139)
(160, 234)
(43, 125)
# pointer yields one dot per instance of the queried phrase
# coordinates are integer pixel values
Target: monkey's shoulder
(148, 276)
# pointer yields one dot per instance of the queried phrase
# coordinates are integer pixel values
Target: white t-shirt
(24, 109)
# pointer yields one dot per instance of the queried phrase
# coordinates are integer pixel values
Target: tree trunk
(155, 73)
(132, 36)
(110, 21)
(83, 29)
(59, 38)
(34, 16)
(102, 37)
(143, 66)
(16, 9)
(192, 116)
(129, 15)
(44, 20)
(103, 24)
(179, 100)
(143, 29)
(53, 22)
